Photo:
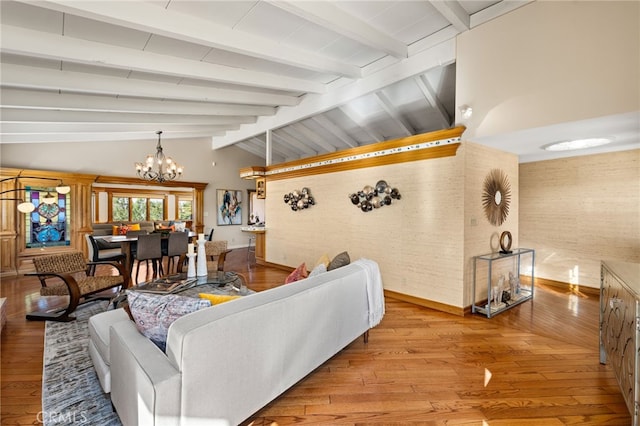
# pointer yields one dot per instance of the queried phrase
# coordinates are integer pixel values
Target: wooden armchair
(68, 274)
(213, 249)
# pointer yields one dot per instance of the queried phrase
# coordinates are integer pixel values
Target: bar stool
(251, 248)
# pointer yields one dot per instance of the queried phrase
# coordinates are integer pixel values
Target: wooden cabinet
(258, 233)
(260, 246)
(620, 327)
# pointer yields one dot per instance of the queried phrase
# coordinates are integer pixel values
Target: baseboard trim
(426, 303)
(276, 265)
(573, 288)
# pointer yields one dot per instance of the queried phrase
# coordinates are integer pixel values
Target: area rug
(71, 393)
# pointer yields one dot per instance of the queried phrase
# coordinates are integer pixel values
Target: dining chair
(137, 233)
(215, 249)
(102, 255)
(177, 246)
(149, 248)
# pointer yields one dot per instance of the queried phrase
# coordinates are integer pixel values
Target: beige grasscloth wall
(422, 242)
(578, 211)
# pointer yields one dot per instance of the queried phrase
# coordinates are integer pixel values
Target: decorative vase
(201, 269)
(191, 268)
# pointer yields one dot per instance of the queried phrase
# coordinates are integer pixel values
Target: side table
(508, 277)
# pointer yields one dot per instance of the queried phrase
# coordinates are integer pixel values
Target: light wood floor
(419, 367)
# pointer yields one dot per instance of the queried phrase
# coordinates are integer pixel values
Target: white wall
(549, 62)
(118, 159)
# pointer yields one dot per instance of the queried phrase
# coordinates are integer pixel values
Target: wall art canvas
(229, 207)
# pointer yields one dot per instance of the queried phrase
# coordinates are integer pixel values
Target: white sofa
(226, 362)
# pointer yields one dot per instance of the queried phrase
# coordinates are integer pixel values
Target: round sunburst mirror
(496, 197)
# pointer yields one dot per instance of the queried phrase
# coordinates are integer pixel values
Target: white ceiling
(322, 76)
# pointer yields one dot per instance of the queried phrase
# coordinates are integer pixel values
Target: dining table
(127, 242)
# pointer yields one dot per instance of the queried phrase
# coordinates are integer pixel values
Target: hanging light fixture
(27, 206)
(158, 167)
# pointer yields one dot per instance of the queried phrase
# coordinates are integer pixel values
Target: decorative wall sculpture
(370, 198)
(299, 200)
(496, 197)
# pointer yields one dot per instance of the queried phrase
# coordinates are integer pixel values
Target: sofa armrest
(145, 385)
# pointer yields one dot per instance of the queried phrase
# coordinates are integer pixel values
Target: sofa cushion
(299, 273)
(340, 260)
(154, 313)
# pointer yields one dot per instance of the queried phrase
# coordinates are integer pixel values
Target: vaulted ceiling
(320, 76)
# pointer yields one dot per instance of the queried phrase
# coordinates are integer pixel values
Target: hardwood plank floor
(420, 366)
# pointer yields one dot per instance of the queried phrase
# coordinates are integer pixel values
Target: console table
(488, 269)
(620, 327)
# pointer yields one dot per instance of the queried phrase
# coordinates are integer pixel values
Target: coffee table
(216, 282)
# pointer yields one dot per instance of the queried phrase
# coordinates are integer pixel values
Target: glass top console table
(502, 280)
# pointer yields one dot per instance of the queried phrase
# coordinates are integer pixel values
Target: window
(120, 208)
(185, 211)
(139, 209)
(146, 205)
(156, 209)
(48, 224)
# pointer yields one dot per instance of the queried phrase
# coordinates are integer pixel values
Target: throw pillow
(134, 227)
(216, 299)
(154, 313)
(324, 259)
(320, 268)
(299, 273)
(339, 261)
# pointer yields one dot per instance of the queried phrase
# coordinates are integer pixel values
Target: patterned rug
(71, 393)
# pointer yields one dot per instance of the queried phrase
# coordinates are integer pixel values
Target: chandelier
(158, 167)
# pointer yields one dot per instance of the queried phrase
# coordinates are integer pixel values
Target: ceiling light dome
(577, 144)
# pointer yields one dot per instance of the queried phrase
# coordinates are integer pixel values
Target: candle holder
(201, 268)
(191, 268)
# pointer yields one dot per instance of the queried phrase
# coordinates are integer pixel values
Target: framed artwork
(229, 207)
(261, 187)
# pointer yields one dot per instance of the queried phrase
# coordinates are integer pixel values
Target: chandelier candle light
(158, 167)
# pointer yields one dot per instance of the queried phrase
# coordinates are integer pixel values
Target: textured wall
(418, 241)
(480, 236)
(578, 211)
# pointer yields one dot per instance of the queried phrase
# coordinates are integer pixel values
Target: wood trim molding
(426, 303)
(571, 288)
(442, 143)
